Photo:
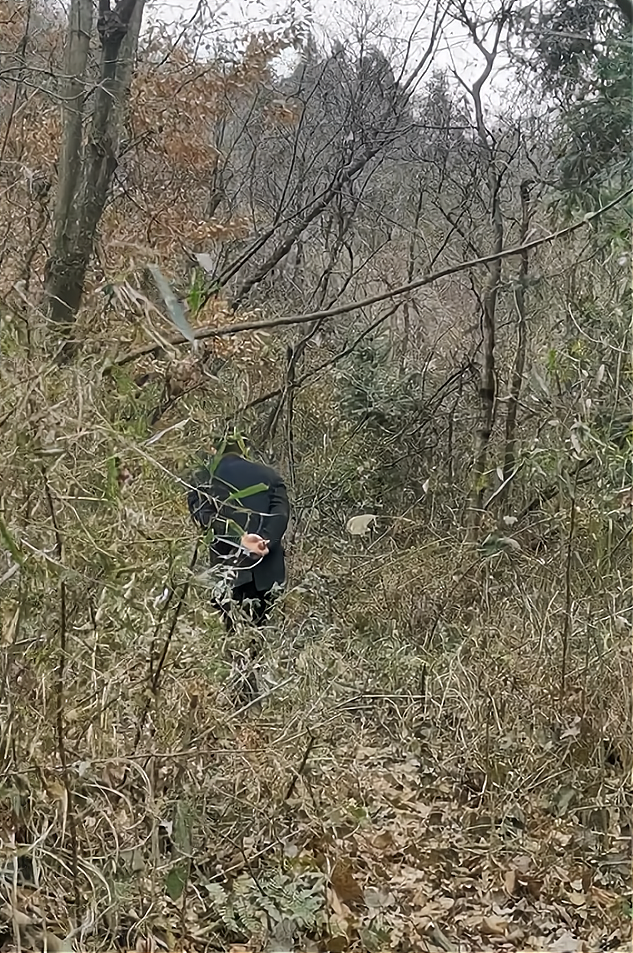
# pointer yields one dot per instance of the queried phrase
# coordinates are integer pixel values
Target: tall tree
(581, 57)
(494, 166)
(88, 156)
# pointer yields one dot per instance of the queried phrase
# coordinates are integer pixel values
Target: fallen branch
(230, 329)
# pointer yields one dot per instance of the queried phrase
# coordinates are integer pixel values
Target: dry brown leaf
(54, 944)
(493, 926)
(437, 906)
(510, 882)
(378, 897)
(440, 939)
(57, 791)
(9, 627)
(534, 887)
(20, 919)
(383, 840)
(113, 774)
(344, 884)
(604, 897)
(340, 910)
(522, 863)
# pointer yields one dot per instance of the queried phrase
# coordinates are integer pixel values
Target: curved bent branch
(228, 330)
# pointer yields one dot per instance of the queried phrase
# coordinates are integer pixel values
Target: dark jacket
(265, 512)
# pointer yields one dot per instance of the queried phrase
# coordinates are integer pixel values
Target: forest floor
(405, 858)
(421, 859)
(378, 797)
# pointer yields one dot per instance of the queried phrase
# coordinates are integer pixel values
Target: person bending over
(243, 506)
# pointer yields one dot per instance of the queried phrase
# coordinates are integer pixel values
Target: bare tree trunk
(487, 384)
(487, 379)
(76, 61)
(518, 367)
(86, 168)
(406, 307)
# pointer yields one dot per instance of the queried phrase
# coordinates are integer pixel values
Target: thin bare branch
(228, 330)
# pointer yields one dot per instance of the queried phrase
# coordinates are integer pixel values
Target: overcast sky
(392, 25)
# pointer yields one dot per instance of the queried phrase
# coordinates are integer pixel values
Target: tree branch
(231, 329)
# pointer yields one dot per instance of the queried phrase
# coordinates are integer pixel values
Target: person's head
(231, 441)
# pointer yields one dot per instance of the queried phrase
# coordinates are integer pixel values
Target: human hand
(256, 546)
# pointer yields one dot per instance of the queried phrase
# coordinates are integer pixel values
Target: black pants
(256, 611)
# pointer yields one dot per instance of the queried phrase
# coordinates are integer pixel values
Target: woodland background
(441, 755)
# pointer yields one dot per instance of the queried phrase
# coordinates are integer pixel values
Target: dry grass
(430, 767)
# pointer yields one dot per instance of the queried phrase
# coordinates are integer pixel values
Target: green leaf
(112, 485)
(182, 828)
(175, 882)
(196, 296)
(174, 307)
(10, 543)
(248, 491)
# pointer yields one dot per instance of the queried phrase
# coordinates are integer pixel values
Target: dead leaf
(205, 261)
(566, 943)
(57, 791)
(20, 919)
(522, 863)
(440, 939)
(575, 442)
(534, 887)
(604, 898)
(340, 922)
(564, 798)
(493, 926)
(510, 882)
(340, 910)
(344, 884)
(378, 897)
(53, 944)
(578, 899)
(383, 841)
(336, 943)
(360, 525)
(479, 824)
(113, 774)
(11, 620)
(138, 864)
